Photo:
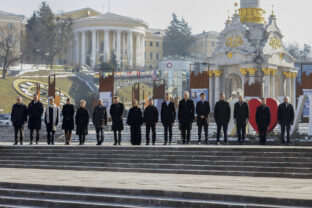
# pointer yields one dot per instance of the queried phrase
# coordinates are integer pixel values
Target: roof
(7, 14)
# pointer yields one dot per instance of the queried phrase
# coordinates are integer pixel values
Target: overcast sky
(294, 17)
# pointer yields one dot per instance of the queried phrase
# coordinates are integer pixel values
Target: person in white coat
(51, 120)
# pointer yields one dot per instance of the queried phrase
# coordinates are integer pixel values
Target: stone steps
(23, 195)
(232, 161)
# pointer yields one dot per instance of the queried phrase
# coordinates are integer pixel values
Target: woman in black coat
(135, 121)
(68, 113)
(82, 122)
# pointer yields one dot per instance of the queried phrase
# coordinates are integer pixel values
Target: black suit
(241, 116)
(168, 116)
(202, 109)
(263, 120)
(186, 118)
(222, 115)
(285, 117)
(150, 119)
(116, 112)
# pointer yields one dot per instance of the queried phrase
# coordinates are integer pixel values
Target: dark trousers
(285, 126)
(241, 132)
(135, 135)
(117, 137)
(168, 128)
(186, 135)
(82, 138)
(262, 136)
(20, 130)
(225, 128)
(100, 135)
(148, 129)
(51, 135)
(32, 135)
(200, 132)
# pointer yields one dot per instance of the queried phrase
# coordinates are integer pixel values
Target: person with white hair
(285, 118)
(51, 120)
(186, 116)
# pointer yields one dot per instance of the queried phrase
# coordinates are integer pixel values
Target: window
(157, 44)
(157, 56)
(151, 56)
(151, 43)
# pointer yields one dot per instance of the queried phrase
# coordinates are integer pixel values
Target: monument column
(138, 49)
(217, 74)
(142, 51)
(118, 49)
(267, 73)
(294, 98)
(273, 72)
(83, 48)
(288, 84)
(244, 72)
(210, 88)
(252, 72)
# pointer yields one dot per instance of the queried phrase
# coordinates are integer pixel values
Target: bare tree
(9, 51)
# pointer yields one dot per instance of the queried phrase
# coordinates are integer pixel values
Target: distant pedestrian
(19, 119)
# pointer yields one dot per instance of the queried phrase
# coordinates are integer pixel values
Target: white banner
(106, 97)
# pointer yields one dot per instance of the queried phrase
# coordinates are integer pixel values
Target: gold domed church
(250, 58)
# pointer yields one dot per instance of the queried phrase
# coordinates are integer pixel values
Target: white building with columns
(97, 37)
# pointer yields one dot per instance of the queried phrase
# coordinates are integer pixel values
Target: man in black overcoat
(263, 120)
(116, 111)
(241, 117)
(99, 121)
(150, 119)
(186, 116)
(222, 115)
(202, 111)
(135, 120)
(19, 119)
(168, 116)
(35, 111)
(285, 118)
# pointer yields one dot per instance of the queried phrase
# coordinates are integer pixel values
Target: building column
(114, 41)
(252, 72)
(288, 84)
(217, 74)
(138, 50)
(294, 98)
(118, 49)
(106, 45)
(76, 48)
(267, 82)
(244, 73)
(83, 48)
(142, 51)
(273, 72)
(210, 88)
(93, 52)
(130, 48)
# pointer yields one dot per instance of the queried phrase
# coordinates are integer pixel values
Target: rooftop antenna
(228, 11)
(103, 8)
(272, 9)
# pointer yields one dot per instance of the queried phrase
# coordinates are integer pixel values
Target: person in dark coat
(52, 117)
(68, 125)
(263, 120)
(285, 118)
(241, 117)
(19, 119)
(202, 111)
(222, 115)
(99, 121)
(116, 111)
(186, 116)
(35, 111)
(168, 116)
(135, 121)
(82, 122)
(150, 119)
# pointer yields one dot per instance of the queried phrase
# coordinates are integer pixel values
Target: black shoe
(37, 142)
(187, 143)
(115, 143)
(283, 141)
(153, 143)
(15, 143)
(147, 144)
(183, 142)
(21, 143)
(30, 143)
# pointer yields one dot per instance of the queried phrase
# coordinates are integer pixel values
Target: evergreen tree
(178, 39)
